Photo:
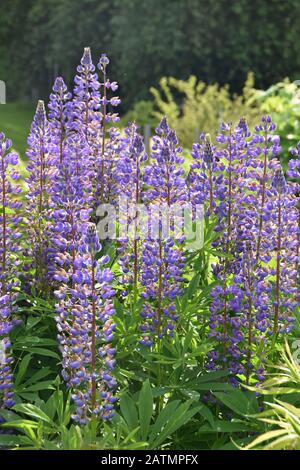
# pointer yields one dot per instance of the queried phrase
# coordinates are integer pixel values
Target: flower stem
(3, 223)
(278, 263)
(263, 197)
(93, 347)
(104, 110)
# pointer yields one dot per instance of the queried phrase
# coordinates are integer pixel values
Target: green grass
(15, 120)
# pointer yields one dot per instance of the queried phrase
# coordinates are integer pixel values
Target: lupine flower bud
(278, 181)
(208, 151)
(92, 240)
(86, 59)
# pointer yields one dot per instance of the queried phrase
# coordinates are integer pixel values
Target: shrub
(193, 106)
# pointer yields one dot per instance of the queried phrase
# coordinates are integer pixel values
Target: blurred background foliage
(201, 107)
(203, 49)
(193, 106)
(219, 41)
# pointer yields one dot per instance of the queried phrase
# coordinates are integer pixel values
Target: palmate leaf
(171, 422)
(45, 352)
(233, 445)
(163, 417)
(20, 423)
(44, 385)
(33, 340)
(23, 365)
(145, 406)
(40, 374)
(207, 376)
(207, 414)
(8, 415)
(276, 381)
(61, 406)
(138, 416)
(11, 441)
(286, 407)
(240, 402)
(220, 426)
(129, 411)
(210, 386)
(32, 411)
(275, 390)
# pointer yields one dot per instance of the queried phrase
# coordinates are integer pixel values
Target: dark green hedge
(218, 40)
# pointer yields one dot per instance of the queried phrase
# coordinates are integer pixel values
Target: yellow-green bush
(194, 106)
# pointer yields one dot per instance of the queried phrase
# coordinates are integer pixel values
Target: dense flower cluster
(258, 218)
(77, 161)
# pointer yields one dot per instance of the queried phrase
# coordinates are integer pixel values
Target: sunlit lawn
(15, 119)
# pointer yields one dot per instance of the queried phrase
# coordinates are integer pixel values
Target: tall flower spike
(205, 178)
(163, 258)
(294, 163)
(233, 308)
(86, 100)
(59, 114)
(70, 197)
(278, 181)
(258, 299)
(86, 328)
(285, 219)
(129, 180)
(294, 172)
(37, 196)
(107, 139)
(232, 153)
(10, 234)
(268, 145)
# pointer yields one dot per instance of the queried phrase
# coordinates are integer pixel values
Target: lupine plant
(196, 329)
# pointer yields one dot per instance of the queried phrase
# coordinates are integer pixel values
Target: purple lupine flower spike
(86, 98)
(106, 147)
(132, 155)
(84, 322)
(163, 258)
(59, 115)
(10, 235)
(37, 197)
